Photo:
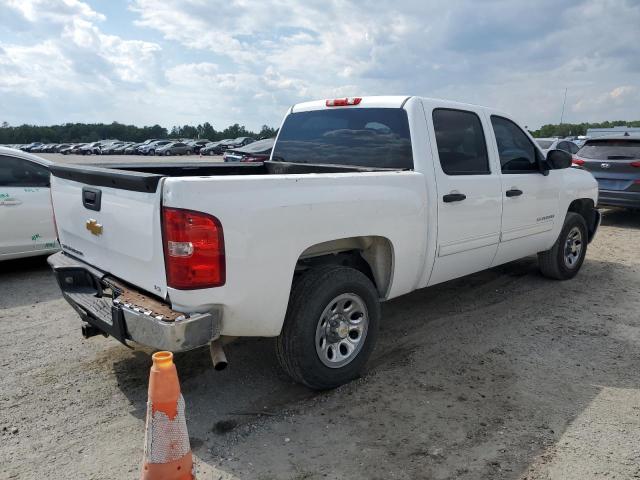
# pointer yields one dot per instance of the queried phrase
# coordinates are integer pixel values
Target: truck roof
(390, 101)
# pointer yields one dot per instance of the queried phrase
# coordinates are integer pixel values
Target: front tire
(564, 259)
(330, 328)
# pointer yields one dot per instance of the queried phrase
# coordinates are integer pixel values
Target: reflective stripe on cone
(167, 453)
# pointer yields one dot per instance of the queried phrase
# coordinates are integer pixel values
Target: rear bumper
(127, 314)
(619, 199)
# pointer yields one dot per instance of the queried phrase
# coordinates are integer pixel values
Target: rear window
(544, 144)
(365, 137)
(611, 149)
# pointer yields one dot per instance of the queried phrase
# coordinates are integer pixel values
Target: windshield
(544, 144)
(367, 137)
(611, 149)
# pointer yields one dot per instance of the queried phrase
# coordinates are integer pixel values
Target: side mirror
(557, 159)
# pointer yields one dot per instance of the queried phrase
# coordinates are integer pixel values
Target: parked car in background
(73, 149)
(174, 148)
(132, 149)
(212, 148)
(90, 149)
(239, 142)
(110, 148)
(61, 146)
(196, 145)
(150, 148)
(615, 163)
(258, 151)
(547, 144)
(31, 146)
(26, 218)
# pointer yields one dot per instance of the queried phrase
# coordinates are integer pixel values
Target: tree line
(570, 129)
(91, 132)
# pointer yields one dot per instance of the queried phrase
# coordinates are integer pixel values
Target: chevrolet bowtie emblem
(93, 226)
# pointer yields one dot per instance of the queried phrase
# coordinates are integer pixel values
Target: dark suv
(615, 163)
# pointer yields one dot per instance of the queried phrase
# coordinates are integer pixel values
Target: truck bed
(144, 177)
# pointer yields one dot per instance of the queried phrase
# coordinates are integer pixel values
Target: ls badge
(93, 226)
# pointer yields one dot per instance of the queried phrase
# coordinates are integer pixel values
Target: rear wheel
(167, 153)
(330, 328)
(564, 259)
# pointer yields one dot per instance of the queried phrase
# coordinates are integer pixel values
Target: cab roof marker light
(343, 102)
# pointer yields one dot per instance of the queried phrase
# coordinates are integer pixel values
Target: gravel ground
(502, 374)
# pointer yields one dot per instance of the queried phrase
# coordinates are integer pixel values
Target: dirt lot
(502, 374)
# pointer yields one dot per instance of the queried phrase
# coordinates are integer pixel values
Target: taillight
(577, 161)
(193, 249)
(635, 164)
(343, 102)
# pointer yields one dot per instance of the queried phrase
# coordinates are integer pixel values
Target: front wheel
(564, 259)
(330, 328)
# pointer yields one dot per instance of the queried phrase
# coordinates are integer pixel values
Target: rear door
(26, 217)
(468, 192)
(114, 228)
(530, 199)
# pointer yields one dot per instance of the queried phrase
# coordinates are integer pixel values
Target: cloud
(240, 61)
(76, 70)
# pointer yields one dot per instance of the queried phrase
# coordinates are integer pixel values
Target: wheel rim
(341, 330)
(573, 247)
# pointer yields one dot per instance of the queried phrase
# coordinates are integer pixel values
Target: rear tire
(564, 259)
(330, 328)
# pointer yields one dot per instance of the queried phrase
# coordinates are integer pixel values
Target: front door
(469, 194)
(530, 199)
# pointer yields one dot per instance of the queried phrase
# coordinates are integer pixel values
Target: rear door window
(611, 150)
(17, 172)
(462, 147)
(365, 137)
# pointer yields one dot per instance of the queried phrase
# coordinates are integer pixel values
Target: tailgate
(112, 226)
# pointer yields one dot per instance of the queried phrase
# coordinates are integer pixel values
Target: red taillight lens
(577, 161)
(193, 249)
(343, 102)
(635, 164)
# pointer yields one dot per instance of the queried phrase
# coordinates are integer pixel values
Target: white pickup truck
(362, 200)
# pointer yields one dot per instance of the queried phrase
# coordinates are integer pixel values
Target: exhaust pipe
(89, 330)
(218, 357)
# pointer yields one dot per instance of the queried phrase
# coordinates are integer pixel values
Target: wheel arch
(586, 208)
(372, 255)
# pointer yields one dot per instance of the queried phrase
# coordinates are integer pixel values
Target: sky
(177, 62)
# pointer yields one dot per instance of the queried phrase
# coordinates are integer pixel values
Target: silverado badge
(93, 226)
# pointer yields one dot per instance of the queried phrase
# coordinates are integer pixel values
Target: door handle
(453, 197)
(514, 192)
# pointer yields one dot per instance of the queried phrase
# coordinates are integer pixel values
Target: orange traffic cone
(167, 453)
